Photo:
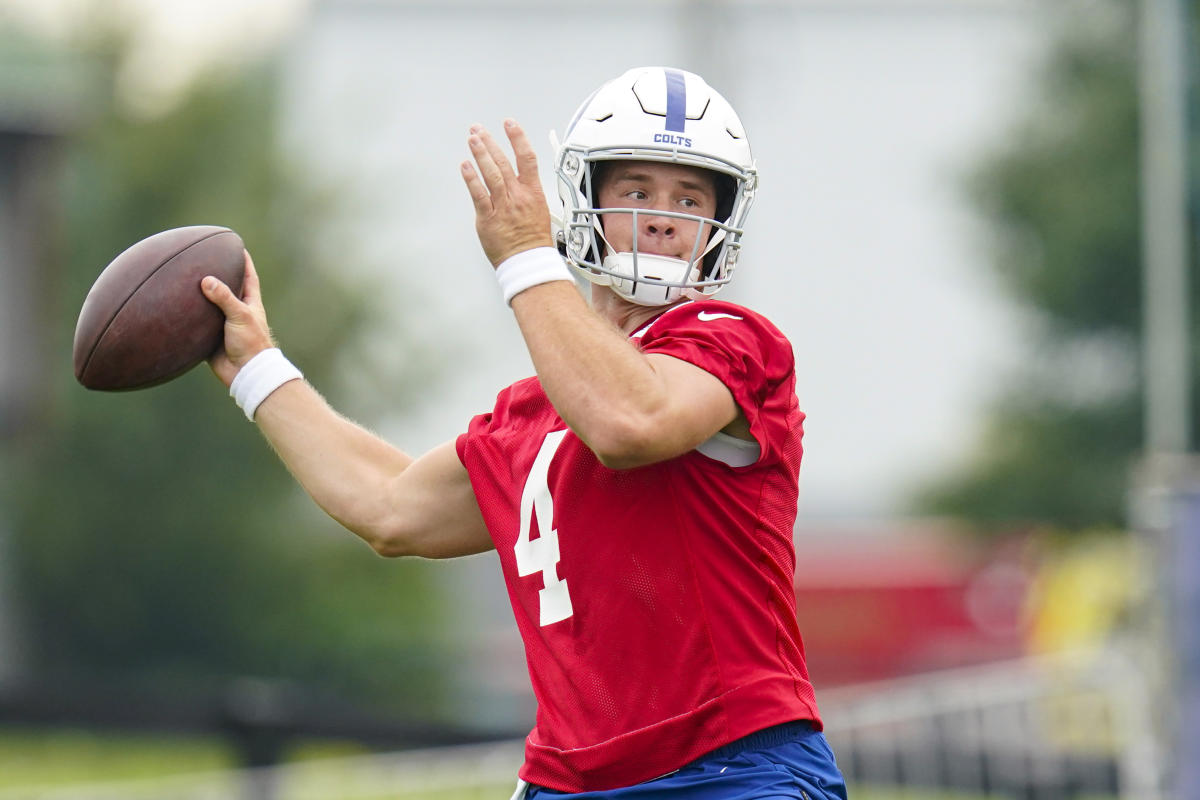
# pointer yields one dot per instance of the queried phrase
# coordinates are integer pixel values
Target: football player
(640, 491)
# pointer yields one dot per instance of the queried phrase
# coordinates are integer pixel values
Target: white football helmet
(654, 114)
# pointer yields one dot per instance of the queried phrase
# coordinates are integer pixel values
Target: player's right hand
(511, 214)
(246, 330)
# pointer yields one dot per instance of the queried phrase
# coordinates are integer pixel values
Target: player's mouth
(654, 251)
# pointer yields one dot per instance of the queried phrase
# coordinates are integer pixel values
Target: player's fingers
(488, 169)
(251, 288)
(479, 193)
(221, 296)
(498, 156)
(527, 169)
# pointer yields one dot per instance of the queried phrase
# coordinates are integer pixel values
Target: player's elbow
(383, 530)
(390, 546)
(623, 461)
(627, 444)
(390, 538)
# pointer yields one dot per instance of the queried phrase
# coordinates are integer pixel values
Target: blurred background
(961, 203)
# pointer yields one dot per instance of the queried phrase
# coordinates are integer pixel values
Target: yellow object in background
(1087, 589)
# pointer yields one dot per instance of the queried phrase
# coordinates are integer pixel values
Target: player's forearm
(345, 469)
(602, 386)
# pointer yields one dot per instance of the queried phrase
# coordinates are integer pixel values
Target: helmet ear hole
(600, 170)
(594, 176)
(726, 190)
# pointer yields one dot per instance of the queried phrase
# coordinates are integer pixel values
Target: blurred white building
(864, 116)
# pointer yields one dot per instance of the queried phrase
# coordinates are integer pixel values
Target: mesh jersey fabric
(678, 633)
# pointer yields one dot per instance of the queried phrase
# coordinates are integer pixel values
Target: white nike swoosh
(709, 316)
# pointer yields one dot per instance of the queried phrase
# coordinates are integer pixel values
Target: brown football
(145, 320)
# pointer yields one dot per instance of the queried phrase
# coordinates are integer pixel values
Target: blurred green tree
(156, 539)
(1062, 203)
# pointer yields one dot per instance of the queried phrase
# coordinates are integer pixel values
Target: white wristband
(530, 268)
(258, 377)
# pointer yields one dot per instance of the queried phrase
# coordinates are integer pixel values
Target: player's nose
(656, 225)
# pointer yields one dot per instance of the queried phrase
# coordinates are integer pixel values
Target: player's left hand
(511, 215)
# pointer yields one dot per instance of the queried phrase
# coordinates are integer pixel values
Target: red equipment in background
(878, 603)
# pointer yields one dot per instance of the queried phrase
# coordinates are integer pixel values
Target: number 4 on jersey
(541, 554)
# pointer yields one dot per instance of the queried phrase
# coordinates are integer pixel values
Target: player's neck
(627, 316)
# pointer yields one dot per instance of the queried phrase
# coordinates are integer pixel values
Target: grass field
(30, 757)
(44, 759)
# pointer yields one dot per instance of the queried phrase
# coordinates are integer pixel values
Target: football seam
(137, 289)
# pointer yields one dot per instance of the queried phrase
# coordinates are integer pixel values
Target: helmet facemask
(648, 278)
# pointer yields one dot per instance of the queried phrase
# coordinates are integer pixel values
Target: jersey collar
(643, 331)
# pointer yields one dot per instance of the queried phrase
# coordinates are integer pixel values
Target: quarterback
(640, 491)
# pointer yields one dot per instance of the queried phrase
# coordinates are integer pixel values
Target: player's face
(654, 187)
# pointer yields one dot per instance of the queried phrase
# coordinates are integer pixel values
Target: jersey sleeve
(745, 352)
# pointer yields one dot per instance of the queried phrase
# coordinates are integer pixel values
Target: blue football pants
(784, 762)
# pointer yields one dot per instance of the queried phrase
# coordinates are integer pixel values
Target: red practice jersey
(656, 603)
